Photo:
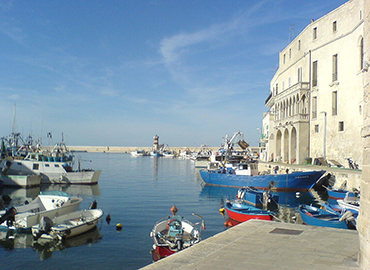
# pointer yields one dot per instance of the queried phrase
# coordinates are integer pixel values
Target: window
(314, 73)
(334, 103)
(315, 33)
(314, 107)
(289, 82)
(299, 45)
(56, 165)
(47, 165)
(277, 89)
(341, 126)
(35, 166)
(335, 67)
(284, 59)
(316, 128)
(300, 74)
(335, 26)
(290, 53)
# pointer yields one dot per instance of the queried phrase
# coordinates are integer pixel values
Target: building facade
(316, 95)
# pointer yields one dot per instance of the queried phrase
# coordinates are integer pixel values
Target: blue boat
(257, 197)
(314, 216)
(295, 181)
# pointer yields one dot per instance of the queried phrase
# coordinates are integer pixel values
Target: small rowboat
(174, 233)
(68, 225)
(320, 217)
(242, 212)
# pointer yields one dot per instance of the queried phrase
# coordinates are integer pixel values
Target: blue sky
(115, 73)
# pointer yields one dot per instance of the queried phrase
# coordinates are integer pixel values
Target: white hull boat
(51, 171)
(49, 204)
(23, 181)
(68, 225)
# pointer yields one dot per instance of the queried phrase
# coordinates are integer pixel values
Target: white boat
(51, 170)
(55, 166)
(31, 180)
(49, 204)
(202, 156)
(139, 153)
(68, 225)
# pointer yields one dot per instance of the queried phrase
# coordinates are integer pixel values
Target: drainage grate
(286, 231)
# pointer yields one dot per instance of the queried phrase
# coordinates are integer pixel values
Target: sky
(116, 73)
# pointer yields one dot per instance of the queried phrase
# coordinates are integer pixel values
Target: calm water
(136, 191)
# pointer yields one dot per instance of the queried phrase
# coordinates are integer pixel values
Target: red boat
(242, 212)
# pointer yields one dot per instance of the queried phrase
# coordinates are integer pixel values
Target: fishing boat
(66, 226)
(336, 193)
(174, 233)
(54, 167)
(242, 212)
(295, 181)
(314, 216)
(351, 203)
(258, 198)
(49, 204)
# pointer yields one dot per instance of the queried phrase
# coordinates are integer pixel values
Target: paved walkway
(269, 245)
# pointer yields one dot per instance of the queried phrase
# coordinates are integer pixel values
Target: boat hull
(21, 180)
(318, 217)
(295, 181)
(242, 213)
(72, 224)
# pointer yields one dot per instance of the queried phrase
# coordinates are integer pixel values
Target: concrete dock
(269, 245)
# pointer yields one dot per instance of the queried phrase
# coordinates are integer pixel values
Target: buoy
(222, 210)
(108, 219)
(119, 227)
(298, 194)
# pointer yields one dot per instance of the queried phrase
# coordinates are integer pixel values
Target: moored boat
(49, 204)
(174, 233)
(257, 197)
(23, 181)
(314, 216)
(242, 212)
(68, 225)
(295, 181)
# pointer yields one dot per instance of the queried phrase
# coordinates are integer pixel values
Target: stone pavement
(269, 245)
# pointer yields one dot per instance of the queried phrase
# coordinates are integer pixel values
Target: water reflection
(10, 240)
(89, 190)
(21, 192)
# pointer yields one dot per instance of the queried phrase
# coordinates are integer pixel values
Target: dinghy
(174, 233)
(68, 225)
(49, 204)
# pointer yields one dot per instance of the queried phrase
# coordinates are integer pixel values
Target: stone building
(316, 95)
(363, 221)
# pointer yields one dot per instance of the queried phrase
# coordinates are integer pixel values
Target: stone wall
(363, 223)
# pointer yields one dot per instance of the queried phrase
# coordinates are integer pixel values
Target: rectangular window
(300, 74)
(334, 103)
(290, 53)
(47, 165)
(314, 73)
(315, 33)
(314, 107)
(341, 126)
(335, 26)
(56, 165)
(277, 89)
(299, 45)
(335, 67)
(35, 166)
(316, 128)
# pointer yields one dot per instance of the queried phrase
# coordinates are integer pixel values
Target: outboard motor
(93, 205)
(45, 225)
(9, 216)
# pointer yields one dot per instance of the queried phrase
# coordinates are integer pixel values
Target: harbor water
(136, 192)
